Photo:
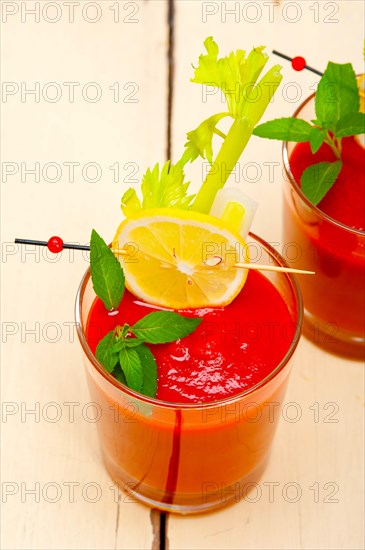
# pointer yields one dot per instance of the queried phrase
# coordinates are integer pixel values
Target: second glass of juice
(334, 298)
(192, 457)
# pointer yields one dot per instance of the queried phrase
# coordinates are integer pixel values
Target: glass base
(218, 495)
(332, 339)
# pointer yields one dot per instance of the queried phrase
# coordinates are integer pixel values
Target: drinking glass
(189, 458)
(334, 299)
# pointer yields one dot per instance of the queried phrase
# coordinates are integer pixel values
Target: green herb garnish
(124, 348)
(106, 272)
(236, 75)
(337, 108)
(162, 327)
(165, 188)
(122, 351)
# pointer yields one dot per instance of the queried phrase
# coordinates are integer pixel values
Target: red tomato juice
(334, 297)
(188, 455)
(233, 349)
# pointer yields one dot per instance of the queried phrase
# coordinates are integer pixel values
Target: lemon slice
(181, 259)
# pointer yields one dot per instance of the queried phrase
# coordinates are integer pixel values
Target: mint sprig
(123, 349)
(123, 352)
(337, 104)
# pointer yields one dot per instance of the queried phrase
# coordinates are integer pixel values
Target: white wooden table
(97, 117)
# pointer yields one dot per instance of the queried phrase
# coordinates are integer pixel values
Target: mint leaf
(337, 94)
(351, 125)
(106, 272)
(316, 138)
(132, 342)
(161, 327)
(317, 179)
(149, 368)
(131, 366)
(119, 375)
(118, 345)
(287, 129)
(105, 354)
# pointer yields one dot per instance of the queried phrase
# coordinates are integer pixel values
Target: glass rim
(194, 406)
(298, 190)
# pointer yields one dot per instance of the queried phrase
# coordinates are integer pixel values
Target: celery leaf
(235, 74)
(200, 140)
(165, 188)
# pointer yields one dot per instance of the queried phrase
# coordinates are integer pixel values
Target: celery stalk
(266, 89)
(227, 158)
(237, 139)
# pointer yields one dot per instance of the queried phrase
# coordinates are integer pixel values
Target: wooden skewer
(120, 251)
(273, 268)
(258, 267)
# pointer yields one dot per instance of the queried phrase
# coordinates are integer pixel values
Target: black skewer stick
(291, 59)
(45, 243)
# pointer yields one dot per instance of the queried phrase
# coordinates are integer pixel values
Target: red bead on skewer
(298, 63)
(55, 245)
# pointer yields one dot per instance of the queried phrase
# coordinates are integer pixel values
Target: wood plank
(38, 289)
(313, 454)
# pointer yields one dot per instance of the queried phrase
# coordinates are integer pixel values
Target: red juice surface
(334, 297)
(345, 201)
(234, 348)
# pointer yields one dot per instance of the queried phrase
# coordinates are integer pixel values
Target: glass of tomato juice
(191, 457)
(334, 298)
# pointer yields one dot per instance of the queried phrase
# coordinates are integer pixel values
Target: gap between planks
(160, 534)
